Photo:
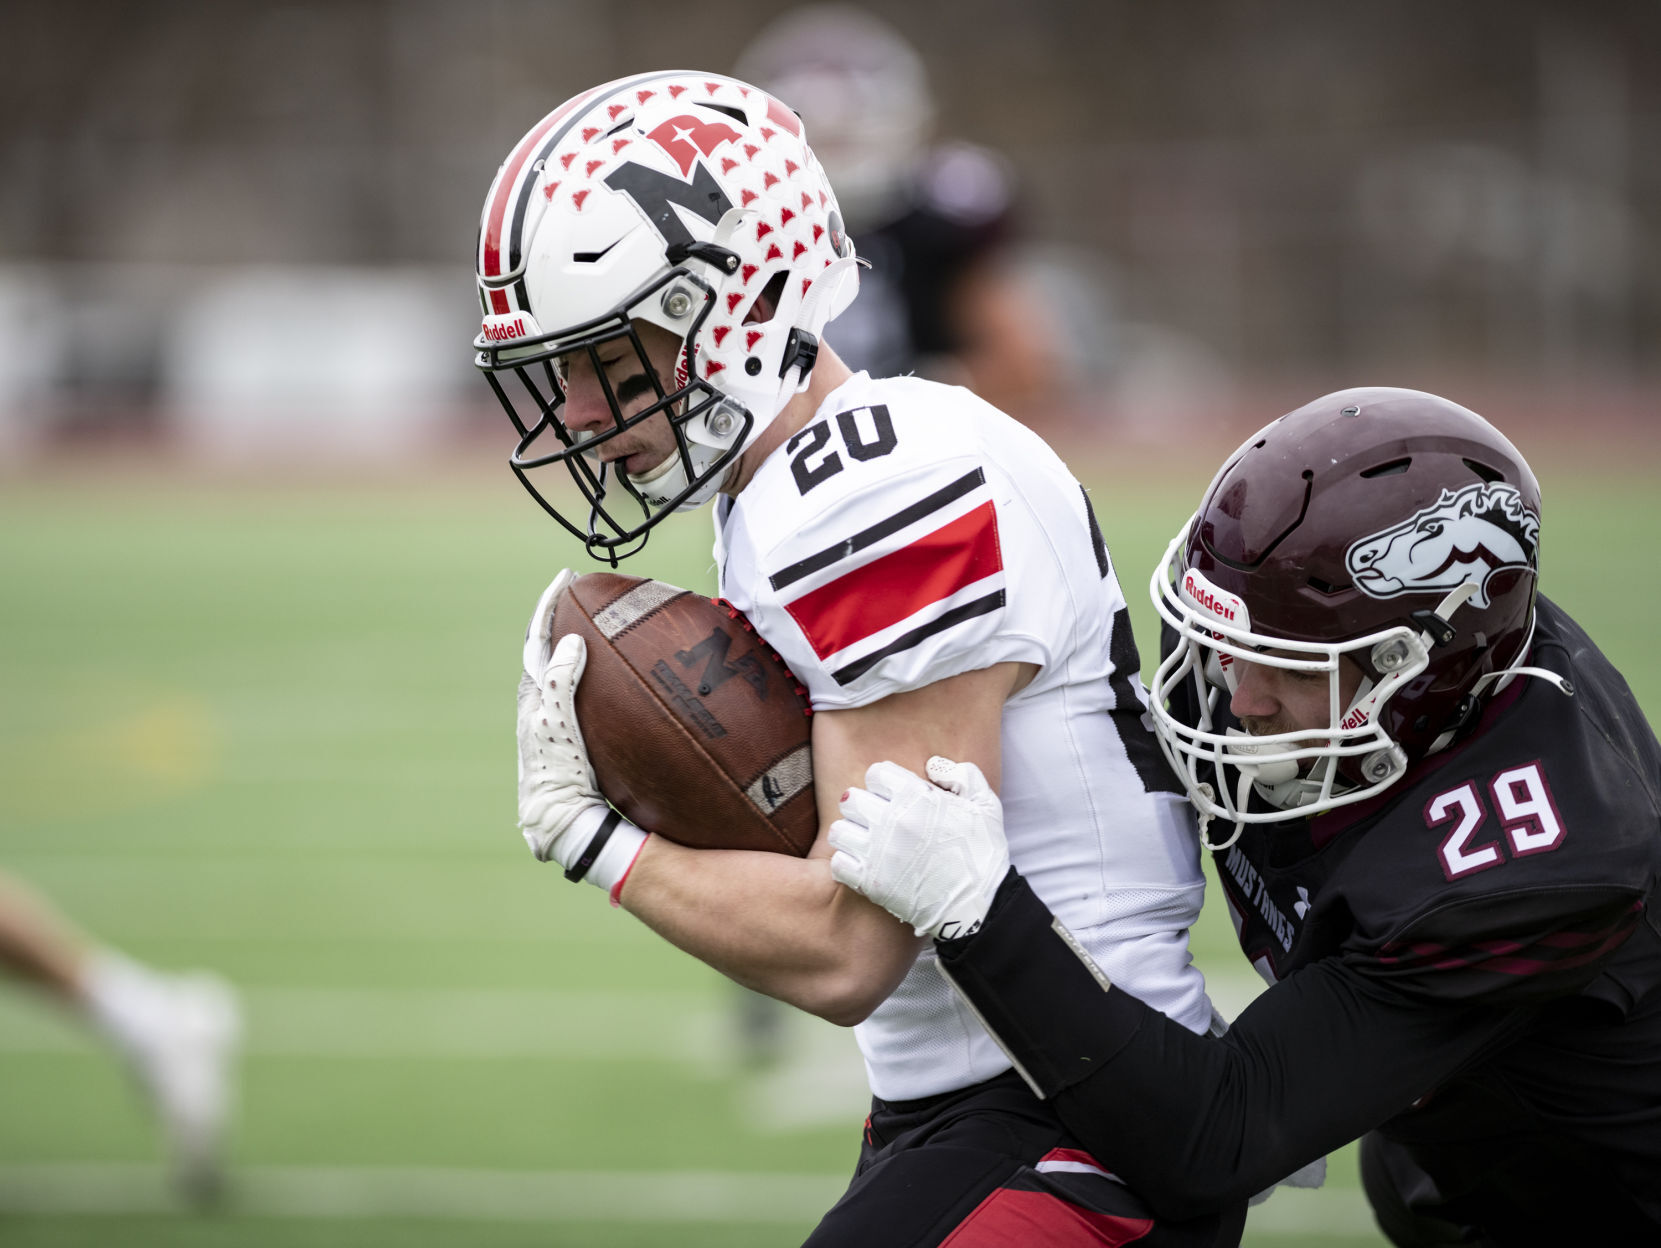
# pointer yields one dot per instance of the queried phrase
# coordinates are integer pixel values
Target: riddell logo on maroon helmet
(1204, 598)
(504, 331)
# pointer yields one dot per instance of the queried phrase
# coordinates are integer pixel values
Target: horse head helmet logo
(1466, 535)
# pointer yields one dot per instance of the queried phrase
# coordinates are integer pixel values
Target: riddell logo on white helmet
(505, 333)
(509, 327)
(1205, 597)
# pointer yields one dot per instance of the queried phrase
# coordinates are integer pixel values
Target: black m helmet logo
(659, 194)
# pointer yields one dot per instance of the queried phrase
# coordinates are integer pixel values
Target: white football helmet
(674, 199)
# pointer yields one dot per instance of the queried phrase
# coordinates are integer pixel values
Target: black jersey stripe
(883, 528)
(957, 615)
(1097, 542)
(1141, 748)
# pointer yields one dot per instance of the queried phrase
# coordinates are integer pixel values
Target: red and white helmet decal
(686, 201)
(501, 253)
(684, 137)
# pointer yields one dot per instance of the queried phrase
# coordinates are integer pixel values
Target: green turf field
(268, 729)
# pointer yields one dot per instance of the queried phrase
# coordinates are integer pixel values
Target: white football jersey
(911, 532)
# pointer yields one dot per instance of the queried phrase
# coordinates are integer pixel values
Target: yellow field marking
(134, 758)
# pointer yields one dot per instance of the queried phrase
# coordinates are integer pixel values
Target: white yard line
(430, 1192)
(820, 1081)
(480, 1024)
(421, 1023)
(117, 1189)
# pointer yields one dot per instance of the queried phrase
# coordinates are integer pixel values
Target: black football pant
(1561, 1201)
(990, 1166)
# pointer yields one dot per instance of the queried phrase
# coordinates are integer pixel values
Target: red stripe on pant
(1039, 1220)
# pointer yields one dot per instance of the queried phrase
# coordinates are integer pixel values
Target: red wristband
(616, 893)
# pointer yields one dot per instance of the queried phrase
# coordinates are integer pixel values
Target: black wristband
(596, 843)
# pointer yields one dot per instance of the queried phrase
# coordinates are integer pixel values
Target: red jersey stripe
(1540, 966)
(1555, 951)
(901, 583)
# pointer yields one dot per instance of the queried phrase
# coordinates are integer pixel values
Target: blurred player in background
(659, 259)
(1443, 808)
(178, 1033)
(945, 296)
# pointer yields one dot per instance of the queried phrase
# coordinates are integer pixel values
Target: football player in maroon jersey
(1442, 809)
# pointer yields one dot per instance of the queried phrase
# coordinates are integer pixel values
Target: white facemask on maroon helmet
(1387, 529)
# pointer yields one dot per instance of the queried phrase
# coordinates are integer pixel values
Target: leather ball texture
(696, 729)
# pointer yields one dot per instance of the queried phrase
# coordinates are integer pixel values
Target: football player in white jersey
(658, 259)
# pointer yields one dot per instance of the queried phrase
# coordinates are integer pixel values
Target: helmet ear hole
(1488, 474)
(1392, 469)
(766, 303)
(737, 114)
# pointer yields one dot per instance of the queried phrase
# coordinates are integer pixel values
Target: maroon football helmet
(1390, 527)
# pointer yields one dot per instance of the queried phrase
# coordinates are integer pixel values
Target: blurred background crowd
(244, 228)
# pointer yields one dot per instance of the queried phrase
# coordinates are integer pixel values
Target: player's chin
(644, 467)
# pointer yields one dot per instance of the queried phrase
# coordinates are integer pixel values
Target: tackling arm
(1194, 1123)
(782, 925)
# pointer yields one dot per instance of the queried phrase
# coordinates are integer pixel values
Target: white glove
(932, 855)
(561, 811)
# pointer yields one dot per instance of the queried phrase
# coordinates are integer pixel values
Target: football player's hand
(931, 854)
(556, 782)
(561, 811)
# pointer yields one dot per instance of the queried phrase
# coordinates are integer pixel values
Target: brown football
(696, 729)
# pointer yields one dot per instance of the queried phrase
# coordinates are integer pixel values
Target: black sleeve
(1195, 1123)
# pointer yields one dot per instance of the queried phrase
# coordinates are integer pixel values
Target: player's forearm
(1193, 1123)
(777, 924)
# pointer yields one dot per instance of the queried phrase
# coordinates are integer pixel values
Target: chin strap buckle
(800, 348)
(1435, 624)
(1435, 627)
